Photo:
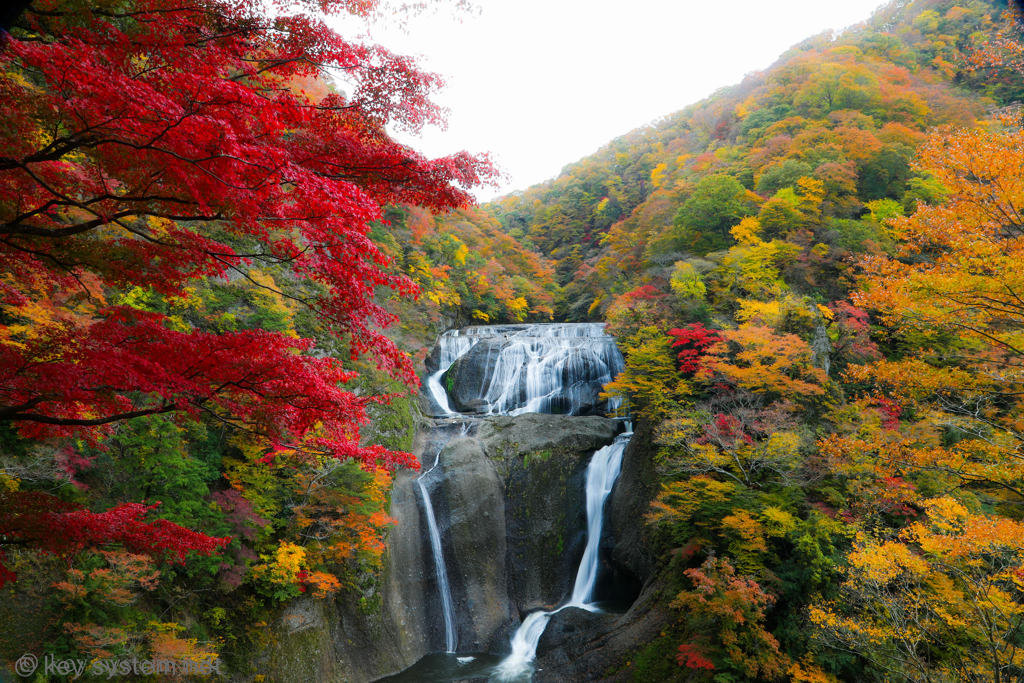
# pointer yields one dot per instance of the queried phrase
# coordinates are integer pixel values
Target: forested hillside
(815, 278)
(847, 111)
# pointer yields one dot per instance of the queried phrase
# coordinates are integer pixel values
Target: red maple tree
(32, 519)
(149, 143)
(695, 340)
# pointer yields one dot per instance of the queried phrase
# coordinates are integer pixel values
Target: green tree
(650, 386)
(778, 176)
(703, 222)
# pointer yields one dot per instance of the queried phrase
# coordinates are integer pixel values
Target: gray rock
(507, 437)
(469, 377)
(638, 484)
(475, 522)
(569, 626)
(476, 405)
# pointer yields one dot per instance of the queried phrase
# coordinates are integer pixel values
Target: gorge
(502, 498)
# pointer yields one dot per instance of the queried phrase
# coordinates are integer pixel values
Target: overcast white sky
(543, 83)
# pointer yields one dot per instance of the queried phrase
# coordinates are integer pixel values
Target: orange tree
(941, 598)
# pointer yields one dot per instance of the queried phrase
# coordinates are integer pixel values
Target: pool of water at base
(475, 666)
(447, 668)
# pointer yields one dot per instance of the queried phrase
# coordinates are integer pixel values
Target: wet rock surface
(578, 646)
(474, 497)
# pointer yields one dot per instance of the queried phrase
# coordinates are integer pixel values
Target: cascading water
(453, 346)
(548, 368)
(601, 475)
(440, 569)
(602, 472)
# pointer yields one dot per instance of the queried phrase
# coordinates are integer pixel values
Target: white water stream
(601, 475)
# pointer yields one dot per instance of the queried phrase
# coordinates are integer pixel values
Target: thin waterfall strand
(440, 570)
(602, 472)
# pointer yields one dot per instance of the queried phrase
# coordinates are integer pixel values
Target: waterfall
(601, 475)
(440, 570)
(516, 369)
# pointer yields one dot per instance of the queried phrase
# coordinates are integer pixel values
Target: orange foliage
(760, 360)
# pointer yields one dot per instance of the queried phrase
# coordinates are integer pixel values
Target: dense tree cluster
(815, 279)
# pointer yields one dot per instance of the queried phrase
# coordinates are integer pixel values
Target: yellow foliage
(812, 193)
(518, 307)
(658, 174)
(748, 232)
(268, 295)
(945, 574)
(777, 522)
(760, 312)
(748, 543)
(685, 282)
(806, 671)
(166, 645)
(679, 500)
(8, 482)
(461, 253)
(284, 566)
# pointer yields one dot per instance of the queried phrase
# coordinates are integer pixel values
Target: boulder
(468, 379)
(474, 503)
(578, 647)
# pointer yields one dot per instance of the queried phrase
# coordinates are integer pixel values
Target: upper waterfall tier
(514, 369)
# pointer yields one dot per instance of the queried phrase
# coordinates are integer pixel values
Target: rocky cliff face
(579, 646)
(510, 499)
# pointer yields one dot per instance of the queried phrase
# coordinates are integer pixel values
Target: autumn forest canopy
(220, 276)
